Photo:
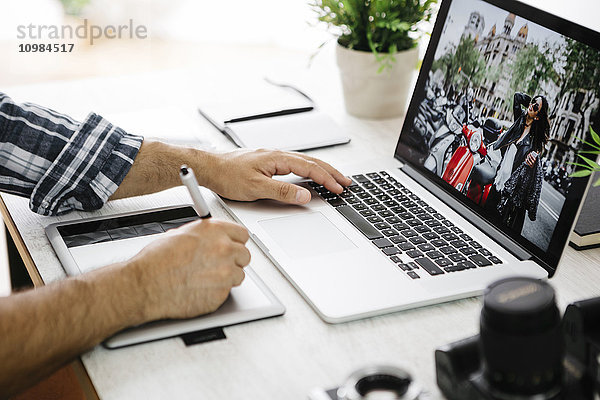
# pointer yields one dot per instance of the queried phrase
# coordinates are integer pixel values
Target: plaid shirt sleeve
(61, 164)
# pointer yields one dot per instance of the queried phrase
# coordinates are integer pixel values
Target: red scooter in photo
(472, 168)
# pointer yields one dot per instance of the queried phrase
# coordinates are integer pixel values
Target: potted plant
(377, 50)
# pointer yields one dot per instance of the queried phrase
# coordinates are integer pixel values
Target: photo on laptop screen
(502, 114)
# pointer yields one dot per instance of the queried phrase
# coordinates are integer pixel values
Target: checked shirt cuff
(88, 170)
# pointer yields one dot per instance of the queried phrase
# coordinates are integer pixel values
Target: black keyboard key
(441, 230)
(390, 203)
(369, 185)
(439, 242)
(381, 225)
(373, 175)
(352, 200)
(405, 215)
(356, 189)
(397, 239)
(406, 246)
(387, 214)
(363, 195)
(371, 201)
(426, 247)
(413, 275)
(434, 254)
(466, 237)
(401, 226)
(456, 229)
(485, 252)
(408, 233)
(437, 215)
(359, 207)
(432, 223)
(396, 259)
(384, 173)
(383, 197)
(468, 251)
(413, 265)
(424, 216)
(422, 229)
(367, 213)
(376, 191)
(414, 253)
(336, 201)
(378, 207)
(430, 210)
(430, 236)
(417, 240)
(374, 219)
(360, 178)
(480, 260)
(495, 260)
(457, 257)
(382, 243)
(447, 250)
(359, 222)
(447, 223)
(394, 192)
(390, 251)
(414, 222)
(458, 243)
(443, 262)
(346, 194)
(429, 266)
(392, 220)
(449, 237)
(380, 181)
(475, 245)
(467, 265)
(405, 267)
(389, 232)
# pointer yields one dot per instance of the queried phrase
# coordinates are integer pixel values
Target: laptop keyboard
(398, 222)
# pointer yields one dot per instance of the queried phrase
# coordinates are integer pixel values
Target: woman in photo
(519, 177)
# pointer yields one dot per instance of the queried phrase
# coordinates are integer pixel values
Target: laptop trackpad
(306, 235)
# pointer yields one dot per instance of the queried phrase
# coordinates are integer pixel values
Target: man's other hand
(191, 270)
(247, 175)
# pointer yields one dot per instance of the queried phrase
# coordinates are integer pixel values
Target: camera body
(524, 351)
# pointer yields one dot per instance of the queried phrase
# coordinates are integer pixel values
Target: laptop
(434, 223)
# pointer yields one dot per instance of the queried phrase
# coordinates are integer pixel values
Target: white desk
(278, 358)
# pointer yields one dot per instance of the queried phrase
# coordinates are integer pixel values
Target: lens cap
(519, 305)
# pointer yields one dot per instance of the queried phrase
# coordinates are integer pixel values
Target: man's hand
(530, 160)
(191, 270)
(247, 175)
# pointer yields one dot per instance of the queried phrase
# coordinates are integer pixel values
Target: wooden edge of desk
(20, 244)
(81, 374)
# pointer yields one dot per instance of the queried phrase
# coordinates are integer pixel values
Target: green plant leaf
(581, 174)
(597, 183)
(592, 163)
(595, 136)
(580, 165)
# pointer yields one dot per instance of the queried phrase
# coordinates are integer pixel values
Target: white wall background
(282, 23)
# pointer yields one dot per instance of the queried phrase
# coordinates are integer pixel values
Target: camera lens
(522, 346)
(382, 382)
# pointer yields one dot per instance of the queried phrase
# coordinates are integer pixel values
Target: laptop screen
(505, 98)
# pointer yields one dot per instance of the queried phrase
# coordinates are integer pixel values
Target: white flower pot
(369, 94)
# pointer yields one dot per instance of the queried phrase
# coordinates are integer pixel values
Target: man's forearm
(156, 168)
(45, 328)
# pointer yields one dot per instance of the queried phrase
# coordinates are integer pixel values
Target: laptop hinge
(499, 237)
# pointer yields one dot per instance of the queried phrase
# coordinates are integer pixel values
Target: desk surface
(282, 357)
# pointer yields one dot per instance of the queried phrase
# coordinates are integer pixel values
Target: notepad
(259, 114)
(295, 132)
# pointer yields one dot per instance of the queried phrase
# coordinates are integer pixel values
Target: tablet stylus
(189, 180)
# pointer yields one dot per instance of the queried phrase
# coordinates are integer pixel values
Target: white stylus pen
(189, 180)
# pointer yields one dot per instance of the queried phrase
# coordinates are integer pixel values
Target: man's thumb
(289, 193)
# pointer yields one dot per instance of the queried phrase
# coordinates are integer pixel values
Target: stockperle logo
(85, 30)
